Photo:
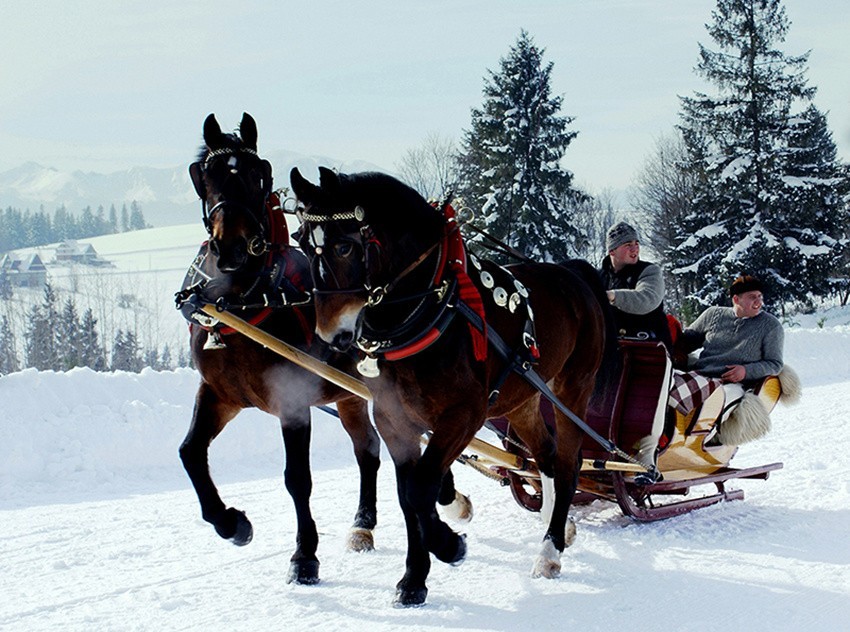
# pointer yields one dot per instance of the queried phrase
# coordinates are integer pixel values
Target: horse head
(360, 231)
(233, 183)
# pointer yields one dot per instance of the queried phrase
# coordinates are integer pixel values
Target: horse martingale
(450, 284)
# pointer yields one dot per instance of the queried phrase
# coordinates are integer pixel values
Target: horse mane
(387, 199)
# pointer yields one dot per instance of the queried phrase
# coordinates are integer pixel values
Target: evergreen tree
(744, 147)
(5, 286)
(137, 218)
(88, 226)
(68, 337)
(166, 362)
(126, 354)
(40, 337)
(113, 220)
(509, 165)
(125, 219)
(8, 348)
(92, 354)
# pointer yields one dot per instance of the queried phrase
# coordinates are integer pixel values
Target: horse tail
(608, 376)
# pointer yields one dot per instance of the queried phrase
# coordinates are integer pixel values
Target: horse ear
(329, 180)
(212, 133)
(304, 190)
(248, 131)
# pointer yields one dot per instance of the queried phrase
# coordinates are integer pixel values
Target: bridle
(372, 251)
(259, 244)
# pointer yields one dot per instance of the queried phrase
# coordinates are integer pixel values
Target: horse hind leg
(558, 481)
(354, 415)
(209, 418)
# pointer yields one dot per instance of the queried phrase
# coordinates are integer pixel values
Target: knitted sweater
(755, 343)
(638, 299)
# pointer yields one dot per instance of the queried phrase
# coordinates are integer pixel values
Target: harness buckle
(376, 296)
(257, 246)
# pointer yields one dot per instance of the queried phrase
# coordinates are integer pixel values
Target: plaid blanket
(690, 390)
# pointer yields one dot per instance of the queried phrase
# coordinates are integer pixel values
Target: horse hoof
(360, 540)
(304, 572)
(548, 563)
(456, 557)
(235, 527)
(460, 556)
(459, 510)
(410, 597)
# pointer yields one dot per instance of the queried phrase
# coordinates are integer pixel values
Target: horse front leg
(411, 589)
(354, 415)
(304, 565)
(425, 484)
(209, 418)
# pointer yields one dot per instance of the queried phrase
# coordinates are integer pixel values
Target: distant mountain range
(166, 195)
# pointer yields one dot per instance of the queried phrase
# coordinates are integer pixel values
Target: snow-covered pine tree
(8, 348)
(40, 345)
(92, 353)
(819, 216)
(741, 146)
(509, 164)
(68, 337)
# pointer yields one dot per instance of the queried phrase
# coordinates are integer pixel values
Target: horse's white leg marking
(548, 563)
(459, 510)
(548, 505)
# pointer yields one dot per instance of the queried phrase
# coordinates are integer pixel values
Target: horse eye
(343, 249)
(214, 247)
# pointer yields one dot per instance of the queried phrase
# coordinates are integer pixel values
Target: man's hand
(610, 296)
(735, 373)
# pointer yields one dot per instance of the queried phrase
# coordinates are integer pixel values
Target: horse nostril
(342, 341)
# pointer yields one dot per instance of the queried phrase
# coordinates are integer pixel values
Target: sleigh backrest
(634, 412)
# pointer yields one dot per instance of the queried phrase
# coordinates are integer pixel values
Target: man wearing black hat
(635, 287)
(741, 343)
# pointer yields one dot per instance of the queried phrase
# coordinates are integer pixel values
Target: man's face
(747, 304)
(625, 254)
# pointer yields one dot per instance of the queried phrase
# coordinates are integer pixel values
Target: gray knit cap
(618, 235)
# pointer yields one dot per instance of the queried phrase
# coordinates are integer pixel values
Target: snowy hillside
(135, 292)
(101, 530)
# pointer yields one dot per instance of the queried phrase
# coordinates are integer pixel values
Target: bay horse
(247, 262)
(391, 278)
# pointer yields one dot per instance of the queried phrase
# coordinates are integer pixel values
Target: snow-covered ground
(101, 529)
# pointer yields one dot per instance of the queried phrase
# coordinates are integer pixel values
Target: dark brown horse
(391, 278)
(248, 264)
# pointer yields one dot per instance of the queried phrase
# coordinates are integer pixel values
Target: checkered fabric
(690, 390)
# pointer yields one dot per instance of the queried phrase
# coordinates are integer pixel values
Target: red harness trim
(256, 320)
(414, 348)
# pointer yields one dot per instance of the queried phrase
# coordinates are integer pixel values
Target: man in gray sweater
(740, 344)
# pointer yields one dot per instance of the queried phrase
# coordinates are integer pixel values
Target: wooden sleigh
(637, 412)
(639, 417)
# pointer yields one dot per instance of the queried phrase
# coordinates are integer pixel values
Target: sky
(104, 86)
